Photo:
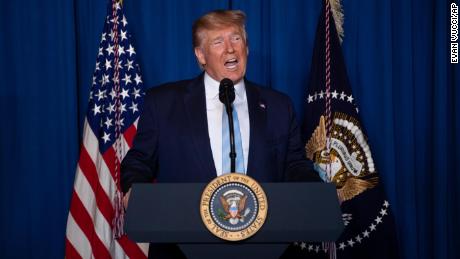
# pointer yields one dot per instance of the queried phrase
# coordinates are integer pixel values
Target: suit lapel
(257, 124)
(195, 107)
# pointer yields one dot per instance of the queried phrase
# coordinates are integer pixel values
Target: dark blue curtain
(39, 128)
(397, 56)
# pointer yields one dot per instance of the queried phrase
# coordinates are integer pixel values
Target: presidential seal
(233, 207)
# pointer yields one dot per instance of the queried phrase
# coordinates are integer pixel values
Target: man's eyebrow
(217, 38)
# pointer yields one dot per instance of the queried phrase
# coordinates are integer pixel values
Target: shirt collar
(212, 88)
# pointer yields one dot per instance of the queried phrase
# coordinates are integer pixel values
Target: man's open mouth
(231, 63)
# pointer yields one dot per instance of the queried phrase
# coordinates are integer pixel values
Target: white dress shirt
(214, 110)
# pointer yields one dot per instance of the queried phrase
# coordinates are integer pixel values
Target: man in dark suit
(180, 132)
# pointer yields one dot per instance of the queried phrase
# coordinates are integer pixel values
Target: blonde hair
(215, 20)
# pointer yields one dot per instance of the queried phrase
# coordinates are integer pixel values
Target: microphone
(227, 96)
(226, 89)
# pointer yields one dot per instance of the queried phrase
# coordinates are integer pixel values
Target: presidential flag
(95, 219)
(336, 142)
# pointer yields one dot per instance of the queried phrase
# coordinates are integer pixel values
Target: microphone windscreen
(226, 88)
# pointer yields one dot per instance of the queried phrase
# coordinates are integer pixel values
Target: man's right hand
(126, 199)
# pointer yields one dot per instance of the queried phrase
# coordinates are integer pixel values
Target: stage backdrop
(397, 56)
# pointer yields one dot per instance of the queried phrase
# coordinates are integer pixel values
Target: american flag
(109, 128)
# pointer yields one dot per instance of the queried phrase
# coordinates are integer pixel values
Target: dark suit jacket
(172, 142)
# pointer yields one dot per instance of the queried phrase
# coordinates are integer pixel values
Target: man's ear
(199, 53)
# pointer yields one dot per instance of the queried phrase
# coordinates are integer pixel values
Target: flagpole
(330, 246)
(118, 199)
(328, 88)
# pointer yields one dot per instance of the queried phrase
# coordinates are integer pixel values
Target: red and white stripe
(89, 225)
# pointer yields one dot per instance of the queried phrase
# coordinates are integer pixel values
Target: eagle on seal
(348, 186)
(234, 209)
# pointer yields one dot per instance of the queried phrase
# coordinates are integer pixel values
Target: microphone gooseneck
(227, 96)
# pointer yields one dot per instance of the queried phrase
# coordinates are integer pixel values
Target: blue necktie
(239, 161)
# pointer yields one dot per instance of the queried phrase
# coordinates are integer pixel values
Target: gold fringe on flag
(337, 12)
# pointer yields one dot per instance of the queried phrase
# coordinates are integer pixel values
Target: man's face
(224, 53)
